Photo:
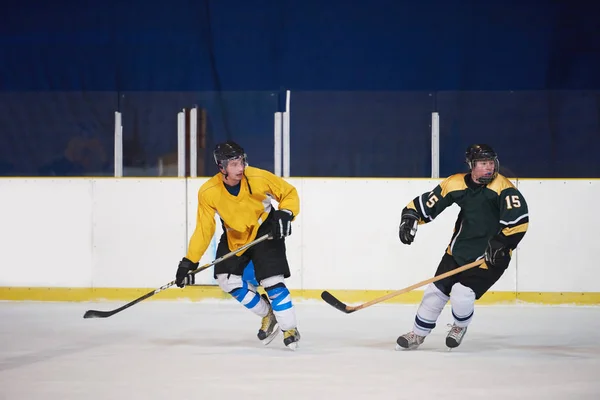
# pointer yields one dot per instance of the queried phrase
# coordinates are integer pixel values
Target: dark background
(365, 76)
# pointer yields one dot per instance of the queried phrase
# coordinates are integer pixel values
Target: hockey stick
(331, 300)
(105, 314)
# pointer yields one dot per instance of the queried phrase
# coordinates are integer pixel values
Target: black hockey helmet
(226, 151)
(477, 152)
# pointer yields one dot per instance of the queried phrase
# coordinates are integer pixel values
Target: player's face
(235, 169)
(482, 168)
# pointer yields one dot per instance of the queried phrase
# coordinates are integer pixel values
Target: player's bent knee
(228, 282)
(463, 304)
(239, 290)
(462, 293)
(279, 294)
(272, 281)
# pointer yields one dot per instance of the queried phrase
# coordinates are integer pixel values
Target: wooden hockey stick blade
(105, 314)
(333, 301)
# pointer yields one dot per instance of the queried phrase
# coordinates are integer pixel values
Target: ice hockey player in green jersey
(493, 219)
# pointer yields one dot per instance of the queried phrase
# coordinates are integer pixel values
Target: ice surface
(209, 350)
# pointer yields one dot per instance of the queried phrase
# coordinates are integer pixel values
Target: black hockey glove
(282, 224)
(182, 278)
(408, 225)
(497, 255)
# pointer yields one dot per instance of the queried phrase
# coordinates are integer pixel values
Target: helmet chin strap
(485, 179)
(248, 182)
(223, 171)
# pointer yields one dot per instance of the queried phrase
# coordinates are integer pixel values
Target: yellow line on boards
(198, 293)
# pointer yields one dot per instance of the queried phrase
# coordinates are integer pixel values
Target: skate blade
(292, 346)
(269, 339)
(400, 348)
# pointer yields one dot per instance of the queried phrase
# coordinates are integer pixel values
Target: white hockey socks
(243, 292)
(462, 299)
(429, 310)
(281, 301)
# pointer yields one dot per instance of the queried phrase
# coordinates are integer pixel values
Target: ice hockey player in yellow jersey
(493, 219)
(241, 196)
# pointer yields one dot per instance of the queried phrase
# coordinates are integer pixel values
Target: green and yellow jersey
(241, 215)
(497, 209)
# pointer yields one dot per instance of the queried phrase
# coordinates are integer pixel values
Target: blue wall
(419, 55)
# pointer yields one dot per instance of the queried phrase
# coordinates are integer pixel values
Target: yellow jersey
(243, 214)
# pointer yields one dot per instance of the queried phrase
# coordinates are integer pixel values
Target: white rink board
(46, 232)
(139, 231)
(559, 252)
(123, 233)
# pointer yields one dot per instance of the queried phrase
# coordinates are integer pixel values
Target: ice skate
(455, 336)
(269, 328)
(409, 341)
(291, 337)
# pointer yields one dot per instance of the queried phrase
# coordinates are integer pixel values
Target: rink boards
(116, 239)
